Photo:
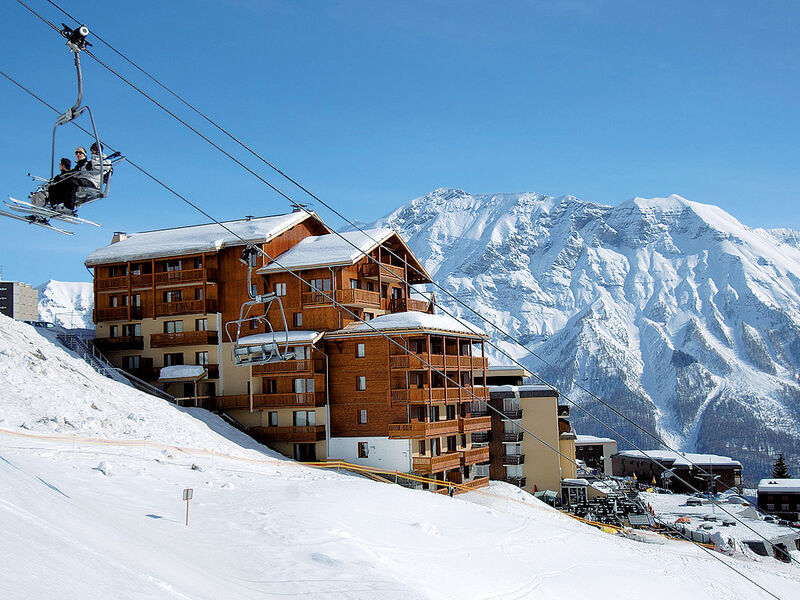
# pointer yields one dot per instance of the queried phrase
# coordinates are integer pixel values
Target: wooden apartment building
(164, 298)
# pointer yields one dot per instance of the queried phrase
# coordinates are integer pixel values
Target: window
(362, 417)
(784, 507)
(297, 319)
(280, 289)
(173, 326)
(361, 382)
(136, 300)
(304, 418)
(172, 265)
(370, 286)
(360, 351)
(270, 386)
(136, 269)
(113, 331)
(113, 301)
(301, 386)
(363, 449)
(770, 507)
(384, 291)
(368, 316)
(435, 449)
(198, 263)
(451, 443)
(397, 293)
(132, 329)
(320, 285)
(172, 296)
(201, 324)
(273, 418)
(174, 358)
(198, 293)
(253, 325)
(118, 271)
(421, 447)
(201, 358)
(354, 284)
(131, 362)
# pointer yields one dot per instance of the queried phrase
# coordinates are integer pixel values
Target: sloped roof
(334, 250)
(195, 239)
(681, 460)
(412, 320)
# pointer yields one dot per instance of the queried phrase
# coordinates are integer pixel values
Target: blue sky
(371, 104)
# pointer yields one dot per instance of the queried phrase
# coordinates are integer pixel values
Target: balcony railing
(125, 342)
(480, 437)
(512, 437)
(261, 401)
(114, 313)
(513, 459)
(517, 481)
(183, 338)
(142, 280)
(425, 395)
(478, 482)
(470, 424)
(289, 367)
(183, 276)
(112, 283)
(422, 429)
(387, 272)
(407, 304)
(513, 414)
(310, 433)
(362, 298)
(434, 464)
(186, 307)
(473, 456)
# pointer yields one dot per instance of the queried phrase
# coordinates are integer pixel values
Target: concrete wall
(393, 455)
(542, 468)
(19, 301)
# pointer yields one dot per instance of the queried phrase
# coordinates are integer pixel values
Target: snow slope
(679, 316)
(88, 520)
(67, 303)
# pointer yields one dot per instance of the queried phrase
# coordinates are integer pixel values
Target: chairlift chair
(265, 352)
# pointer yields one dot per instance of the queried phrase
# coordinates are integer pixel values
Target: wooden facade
(417, 387)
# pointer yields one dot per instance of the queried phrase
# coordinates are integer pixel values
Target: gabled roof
(336, 250)
(194, 239)
(410, 321)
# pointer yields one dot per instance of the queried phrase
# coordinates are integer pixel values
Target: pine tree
(779, 470)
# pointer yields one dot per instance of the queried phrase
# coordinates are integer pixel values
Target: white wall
(393, 455)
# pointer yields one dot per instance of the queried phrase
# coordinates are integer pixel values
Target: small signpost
(187, 495)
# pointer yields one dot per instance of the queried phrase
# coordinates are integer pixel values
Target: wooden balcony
(261, 401)
(183, 338)
(421, 360)
(426, 395)
(513, 459)
(125, 342)
(472, 424)
(407, 304)
(289, 367)
(114, 313)
(182, 276)
(473, 456)
(422, 429)
(186, 307)
(371, 270)
(112, 283)
(311, 433)
(358, 298)
(142, 280)
(435, 464)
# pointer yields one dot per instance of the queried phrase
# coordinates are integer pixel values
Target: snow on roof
(182, 372)
(418, 320)
(681, 460)
(779, 485)
(194, 239)
(329, 249)
(536, 387)
(591, 439)
(280, 337)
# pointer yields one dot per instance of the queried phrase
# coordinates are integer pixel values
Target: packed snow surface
(182, 372)
(90, 520)
(194, 239)
(332, 249)
(67, 303)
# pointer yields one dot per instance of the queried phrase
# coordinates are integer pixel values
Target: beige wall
(566, 445)
(542, 468)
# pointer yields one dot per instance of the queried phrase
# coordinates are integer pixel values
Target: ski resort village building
(334, 359)
(19, 301)
(671, 469)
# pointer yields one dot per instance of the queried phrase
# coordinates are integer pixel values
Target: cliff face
(672, 311)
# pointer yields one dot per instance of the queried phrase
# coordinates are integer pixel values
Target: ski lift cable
(566, 397)
(450, 294)
(383, 334)
(302, 207)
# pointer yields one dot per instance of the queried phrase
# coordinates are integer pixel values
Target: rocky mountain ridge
(672, 311)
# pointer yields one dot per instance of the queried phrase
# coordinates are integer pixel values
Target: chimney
(248, 217)
(119, 236)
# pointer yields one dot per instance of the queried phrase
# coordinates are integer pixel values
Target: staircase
(86, 350)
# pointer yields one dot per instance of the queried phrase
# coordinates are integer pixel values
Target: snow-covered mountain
(673, 312)
(66, 303)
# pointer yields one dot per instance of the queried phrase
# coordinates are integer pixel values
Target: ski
(34, 221)
(47, 213)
